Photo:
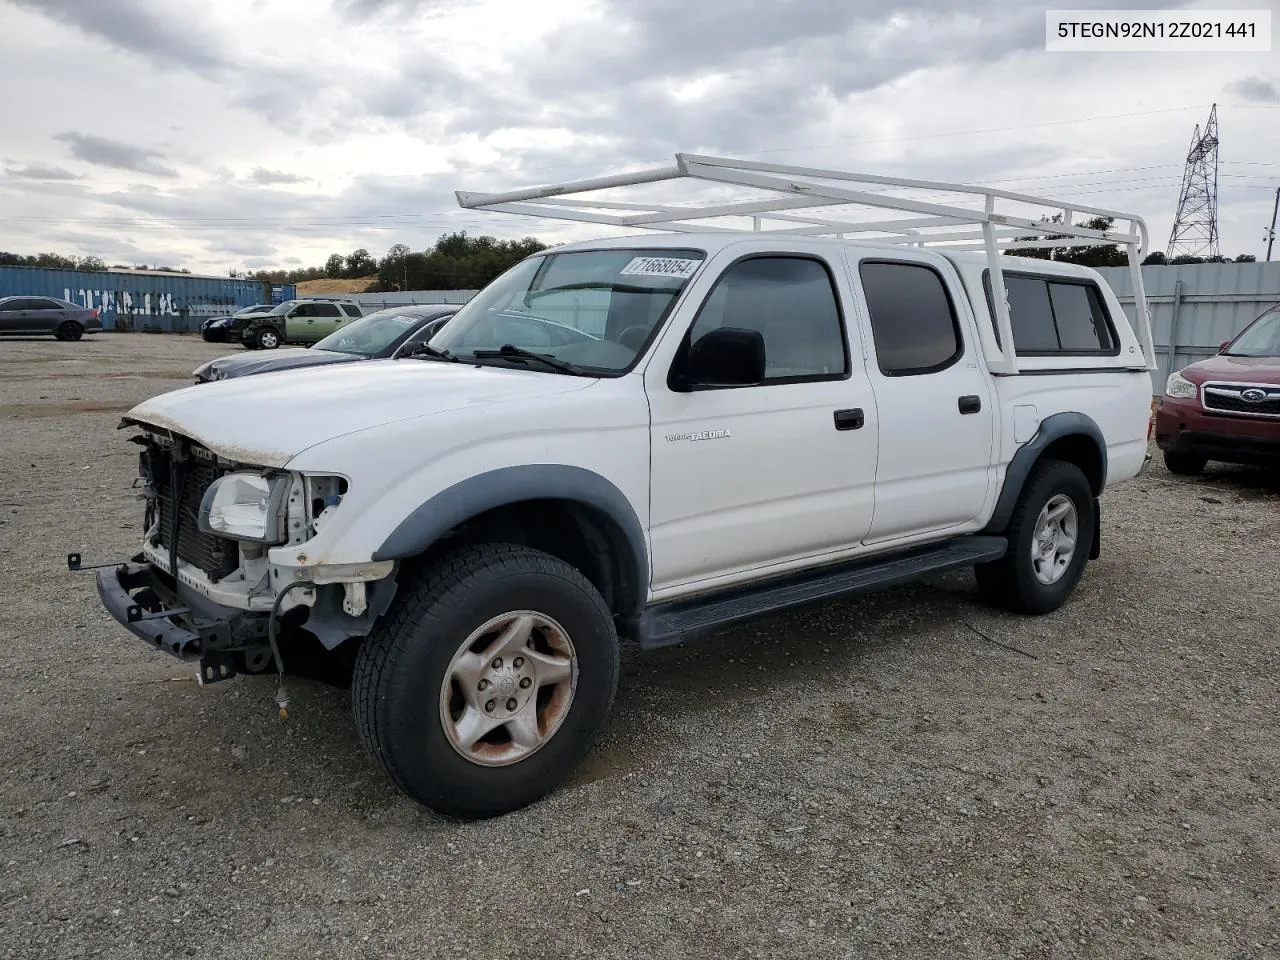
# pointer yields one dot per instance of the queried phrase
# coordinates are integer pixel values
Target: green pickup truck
(298, 321)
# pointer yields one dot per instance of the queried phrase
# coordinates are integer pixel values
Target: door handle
(850, 419)
(970, 404)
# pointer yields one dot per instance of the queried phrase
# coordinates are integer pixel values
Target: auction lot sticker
(676, 267)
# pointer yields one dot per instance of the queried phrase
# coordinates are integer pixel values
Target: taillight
(94, 311)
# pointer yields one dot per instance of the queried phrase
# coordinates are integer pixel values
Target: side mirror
(1222, 347)
(726, 357)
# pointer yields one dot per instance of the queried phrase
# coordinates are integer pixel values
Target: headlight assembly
(246, 506)
(1180, 387)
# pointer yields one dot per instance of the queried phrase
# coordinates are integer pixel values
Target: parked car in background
(221, 329)
(26, 316)
(394, 332)
(1225, 408)
(298, 321)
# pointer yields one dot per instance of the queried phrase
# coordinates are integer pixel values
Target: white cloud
(282, 131)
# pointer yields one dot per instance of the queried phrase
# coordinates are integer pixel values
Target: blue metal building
(139, 299)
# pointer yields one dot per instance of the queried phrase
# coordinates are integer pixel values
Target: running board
(665, 624)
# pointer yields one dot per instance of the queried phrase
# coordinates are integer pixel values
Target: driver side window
(791, 302)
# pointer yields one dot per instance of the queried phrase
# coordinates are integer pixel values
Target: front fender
(508, 485)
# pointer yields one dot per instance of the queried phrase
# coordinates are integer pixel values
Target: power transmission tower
(1271, 234)
(1195, 228)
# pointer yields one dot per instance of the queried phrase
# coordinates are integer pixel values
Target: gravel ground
(904, 775)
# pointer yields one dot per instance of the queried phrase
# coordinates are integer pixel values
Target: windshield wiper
(435, 353)
(511, 352)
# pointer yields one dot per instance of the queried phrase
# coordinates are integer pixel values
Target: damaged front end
(205, 586)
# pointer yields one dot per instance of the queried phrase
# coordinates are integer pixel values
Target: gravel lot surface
(904, 775)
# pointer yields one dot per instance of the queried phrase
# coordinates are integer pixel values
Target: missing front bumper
(140, 600)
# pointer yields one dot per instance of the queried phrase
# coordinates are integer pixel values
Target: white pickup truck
(645, 438)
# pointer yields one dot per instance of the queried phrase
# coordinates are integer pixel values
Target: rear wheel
(1050, 537)
(488, 681)
(1184, 464)
(267, 338)
(69, 330)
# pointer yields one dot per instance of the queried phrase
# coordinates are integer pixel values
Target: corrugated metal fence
(1195, 307)
(138, 299)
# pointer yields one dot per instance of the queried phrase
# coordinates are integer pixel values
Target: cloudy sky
(220, 134)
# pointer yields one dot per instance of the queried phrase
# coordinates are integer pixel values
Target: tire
(266, 338)
(406, 680)
(1012, 582)
(1184, 464)
(69, 330)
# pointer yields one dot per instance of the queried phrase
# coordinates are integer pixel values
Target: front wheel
(488, 681)
(1050, 537)
(1184, 464)
(266, 339)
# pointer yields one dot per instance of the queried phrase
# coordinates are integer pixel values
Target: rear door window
(913, 321)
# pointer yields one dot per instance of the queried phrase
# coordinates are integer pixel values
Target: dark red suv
(1227, 407)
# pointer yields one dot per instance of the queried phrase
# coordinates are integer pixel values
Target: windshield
(283, 308)
(1260, 339)
(369, 335)
(245, 311)
(595, 309)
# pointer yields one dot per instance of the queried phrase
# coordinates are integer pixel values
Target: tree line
(455, 262)
(56, 261)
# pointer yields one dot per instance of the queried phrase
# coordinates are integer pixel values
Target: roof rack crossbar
(904, 182)
(1020, 233)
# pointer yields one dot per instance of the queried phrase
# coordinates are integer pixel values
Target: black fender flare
(469, 498)
(1052, 428)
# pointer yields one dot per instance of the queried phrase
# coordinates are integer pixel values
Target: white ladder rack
(802, 200)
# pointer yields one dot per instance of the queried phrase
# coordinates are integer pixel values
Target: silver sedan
(26, 316)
